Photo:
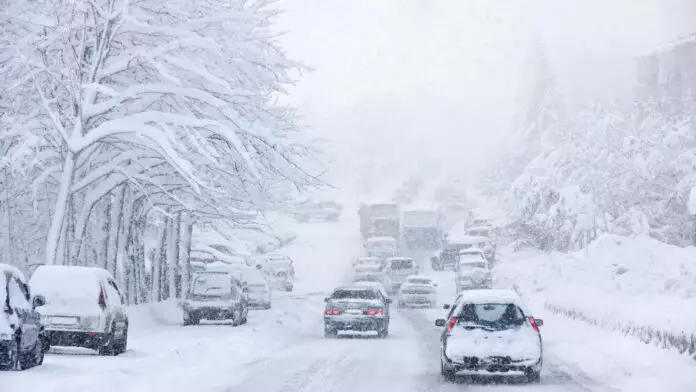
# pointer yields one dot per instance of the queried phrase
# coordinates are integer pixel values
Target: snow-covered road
(283, 349)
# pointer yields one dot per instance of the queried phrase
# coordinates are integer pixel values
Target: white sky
(413, 78)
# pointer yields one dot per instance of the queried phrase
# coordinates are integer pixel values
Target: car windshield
(472, 265)
(355, 294)
(491, 315)
(212, 284)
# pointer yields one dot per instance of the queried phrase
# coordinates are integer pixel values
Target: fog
(397, 80)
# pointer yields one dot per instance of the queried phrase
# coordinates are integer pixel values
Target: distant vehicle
(476, 326)
(21, 333)
(377, 277)
(396, 270)
(307, 210)
(487, 243)
(472, 271)
(215, 295)
(381, 247)
(279, 271)
(481, 222)
(367, 264)
(421, 227)
(449, 255)
(418, 290)
(356, 309)
(83, 308)
(379, 219)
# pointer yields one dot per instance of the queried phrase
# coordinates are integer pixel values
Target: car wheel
(447, 374)
(245, 316)
(330, 333)
(109, 346)
(533, 376)
(13, 363)
(38, 352)
(383, 333)
(267, 306)
(122, 344)
(191, 319)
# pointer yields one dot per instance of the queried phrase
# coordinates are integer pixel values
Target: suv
(83, 307)
(21, 334)
(356, 309)
(396, 270)
(215, 295)
(482, 319)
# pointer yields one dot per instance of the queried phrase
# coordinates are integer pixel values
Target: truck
(379, 219)
(421, 226)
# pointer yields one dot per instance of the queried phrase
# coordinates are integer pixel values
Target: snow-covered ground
(283, 349)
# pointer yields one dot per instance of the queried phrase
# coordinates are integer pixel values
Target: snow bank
(635, 285)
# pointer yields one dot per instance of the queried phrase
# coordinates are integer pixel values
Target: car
(356, 309)
(215, 294)
(396, 270)
(453, 245)
(418, 290)
(260, 294)
(21, 333)
(279, 271)
(381, 247)
(482, 319)
(367, 264)
(472, 271)
(83, 307)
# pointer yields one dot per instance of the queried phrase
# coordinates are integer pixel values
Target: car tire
(447, 374)
(13, 364)
(191, 319)
(122, 344)
(383, 333)
(330, 333)
(267, 306)
(38, 353)
(533, 376)
(109, 348)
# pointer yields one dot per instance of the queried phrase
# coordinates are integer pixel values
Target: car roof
(355, 288)
(491, 296)
(74, 270)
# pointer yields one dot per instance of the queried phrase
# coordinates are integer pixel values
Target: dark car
(21, 333)
(356, 309)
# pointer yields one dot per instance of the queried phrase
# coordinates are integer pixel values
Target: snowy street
(283, 349)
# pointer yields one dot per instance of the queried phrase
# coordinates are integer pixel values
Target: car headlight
(89, 321)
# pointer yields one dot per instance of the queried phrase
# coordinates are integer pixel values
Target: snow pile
(636, 285)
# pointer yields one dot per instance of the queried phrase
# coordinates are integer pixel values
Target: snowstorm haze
(397, 80)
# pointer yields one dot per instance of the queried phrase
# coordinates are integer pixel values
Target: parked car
(21, 334)
(83, 308)
(472, 271)
(215, 294)
(279, 271)
(396, 270)
(381, 247)
(356, 309)
(471, 342)
(260, 294)
(418, 290)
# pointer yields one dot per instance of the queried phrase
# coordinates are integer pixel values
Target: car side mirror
(446, 306)
(38, 300)
(440, 322)
(326, 299)
(539, 322)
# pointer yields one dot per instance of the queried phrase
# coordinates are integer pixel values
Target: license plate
(63, 320)
(354, 311)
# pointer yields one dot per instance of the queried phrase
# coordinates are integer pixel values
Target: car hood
(520, 343)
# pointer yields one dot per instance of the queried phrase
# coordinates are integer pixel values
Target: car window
(355, 294)
(18, 293)
(401, 264)
(492, 315)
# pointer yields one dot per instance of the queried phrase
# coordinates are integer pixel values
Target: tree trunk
(172, 255)
(157, 263)
(57, 223)
(115, 239)
(186, 229)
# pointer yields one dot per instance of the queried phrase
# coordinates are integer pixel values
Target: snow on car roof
(491, 296)
(466, 239)
(381, 239)
(470, 251)
(400, 258)
(12, 270)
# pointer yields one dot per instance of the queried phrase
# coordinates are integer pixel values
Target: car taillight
(332, 311)
(102, 300)
(452, 323)
(374, 312)
(533, 322)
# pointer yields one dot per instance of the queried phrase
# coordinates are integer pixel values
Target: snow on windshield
(211, 284)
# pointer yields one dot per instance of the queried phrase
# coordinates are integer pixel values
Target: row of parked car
(78, 306)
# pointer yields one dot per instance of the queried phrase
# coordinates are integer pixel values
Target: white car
(472, 271)
(491, 332)
(396, 270)
(381, 247)
(83, 307)
(259, 293)
(367, 264)
(418, 290)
